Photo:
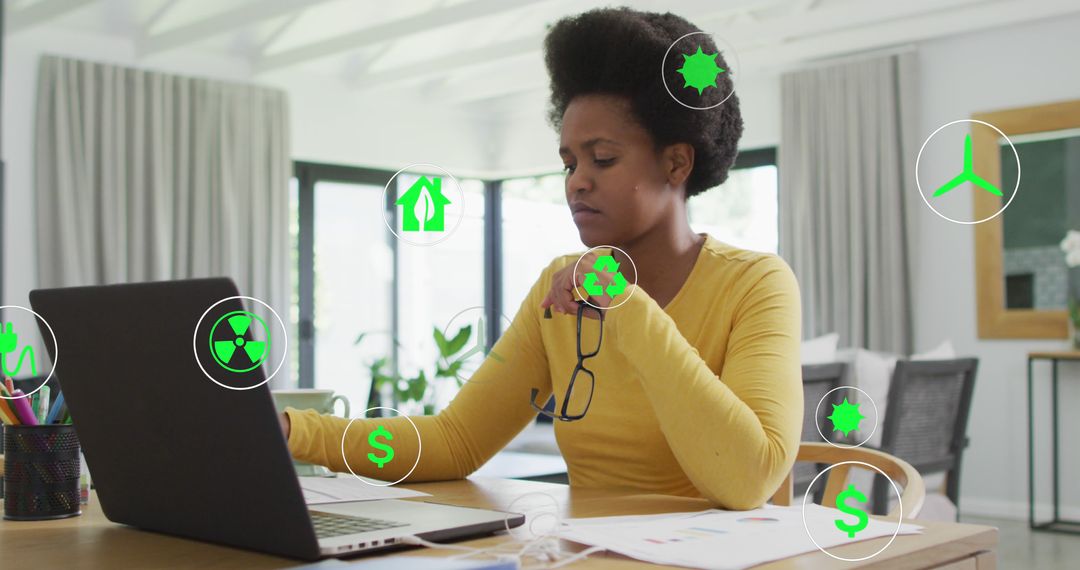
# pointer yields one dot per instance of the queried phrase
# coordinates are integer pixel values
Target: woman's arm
(489, 411)
(736, 435)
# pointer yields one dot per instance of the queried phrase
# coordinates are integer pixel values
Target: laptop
(172, 451)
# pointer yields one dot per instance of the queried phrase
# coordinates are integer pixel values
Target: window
(743, 211)
(435, 283)
(356, 278)
(536, 228)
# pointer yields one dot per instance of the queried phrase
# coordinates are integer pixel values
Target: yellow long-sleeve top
(702, 397)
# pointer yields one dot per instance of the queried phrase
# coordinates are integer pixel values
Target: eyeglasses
(572, 407)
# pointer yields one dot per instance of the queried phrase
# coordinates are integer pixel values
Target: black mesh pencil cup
(41, 472)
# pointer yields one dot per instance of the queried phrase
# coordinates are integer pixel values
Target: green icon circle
(809, 497)
(825, 398)
(240, 322)
(619, 285)
(699, 69)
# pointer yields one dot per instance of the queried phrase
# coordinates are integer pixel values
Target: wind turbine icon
(968, 175)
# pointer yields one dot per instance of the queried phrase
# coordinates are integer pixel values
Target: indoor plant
(417, 390)
(1071, 246)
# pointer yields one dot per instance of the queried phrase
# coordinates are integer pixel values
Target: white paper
(722, 540)
(346, 488)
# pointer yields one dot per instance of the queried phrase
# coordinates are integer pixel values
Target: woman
(697, 378)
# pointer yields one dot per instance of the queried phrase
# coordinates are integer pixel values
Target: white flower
(1071, 246)
(1072, 259)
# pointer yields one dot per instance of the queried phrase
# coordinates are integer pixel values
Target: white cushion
(943, 351)
(872, 372)
(820, 350)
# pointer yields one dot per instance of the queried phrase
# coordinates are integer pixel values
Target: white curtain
(144, 176)
(846, 163)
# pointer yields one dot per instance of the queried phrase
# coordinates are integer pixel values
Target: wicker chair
(818, 380)
(926, 421)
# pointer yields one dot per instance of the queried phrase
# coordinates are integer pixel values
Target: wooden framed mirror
(1022, 283)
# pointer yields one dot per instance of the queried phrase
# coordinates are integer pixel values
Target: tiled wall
(1047, 263)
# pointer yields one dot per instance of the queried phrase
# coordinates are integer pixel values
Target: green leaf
(440, 340)
(458, 342)
(417, 387)
(448, 371)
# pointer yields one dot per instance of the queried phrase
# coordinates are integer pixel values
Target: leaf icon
(424, 209)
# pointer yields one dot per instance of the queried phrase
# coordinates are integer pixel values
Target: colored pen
(57, 411)
(10, 385)
(6, 414)
(35, 403)
(43, 404)
(22, 409)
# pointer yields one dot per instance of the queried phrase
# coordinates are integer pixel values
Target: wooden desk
(91, 541)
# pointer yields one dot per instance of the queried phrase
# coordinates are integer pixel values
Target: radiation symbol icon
(233, 345)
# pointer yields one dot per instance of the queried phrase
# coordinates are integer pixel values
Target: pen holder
(41, 472)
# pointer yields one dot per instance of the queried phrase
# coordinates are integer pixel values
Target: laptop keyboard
(329, 525)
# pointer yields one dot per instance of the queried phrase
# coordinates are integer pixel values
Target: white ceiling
(482, 51)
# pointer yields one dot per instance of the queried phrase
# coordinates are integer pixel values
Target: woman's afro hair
(617, 51)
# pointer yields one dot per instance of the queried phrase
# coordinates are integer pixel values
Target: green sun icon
(846, 417)
(699, 70)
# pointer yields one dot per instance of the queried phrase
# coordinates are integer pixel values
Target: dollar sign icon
(841, 503)
(373, 441)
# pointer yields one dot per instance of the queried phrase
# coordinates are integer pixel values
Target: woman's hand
(283, 418)
(566, 287)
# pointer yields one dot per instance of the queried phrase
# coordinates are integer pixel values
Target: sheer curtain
(144, 176)
(846, 161)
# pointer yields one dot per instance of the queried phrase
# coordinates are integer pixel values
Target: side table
(1056, 524)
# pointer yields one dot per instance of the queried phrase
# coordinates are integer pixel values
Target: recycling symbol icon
(605, 264)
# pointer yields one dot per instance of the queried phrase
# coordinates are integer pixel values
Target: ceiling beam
(967, 19)
(855, 36)
(276, 34)
(221, 23)
(40, 13)
(835, 18)
(158, 14)
(386, 31)
(513, 48)
(450, 63)
(517, 78)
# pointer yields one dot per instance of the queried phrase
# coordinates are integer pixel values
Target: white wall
(329, 123)
(526, 143)
(1018, 66)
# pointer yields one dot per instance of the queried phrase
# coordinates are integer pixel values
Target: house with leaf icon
(423, 204)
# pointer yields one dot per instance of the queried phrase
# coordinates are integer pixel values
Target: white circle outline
(419, 443)
(56, 351)
(732, 74)
(585, 298)
(1016, 187)
(899, 520)
(195, 342)
(877, 417)
(462, 312)
(528, 524)
(460, 217)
